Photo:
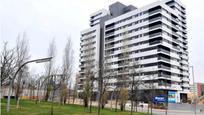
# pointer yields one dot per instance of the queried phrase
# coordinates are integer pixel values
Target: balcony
(164, 59)
(176, 87)
(155, 35)
(109, 34)
(175, 27)
(155, 11)
(155, 27)
(185, 85)
(164, 67)
(175, 19)
(176, 78)
(184, 41)
(155, 19)
(175, 34)
(109, 46)
(109, 40)
(123, 71)
(184, 46)
(110, 26)
(185, 79)
(184, 36)
(176, 47)
(184, 56)
(123, 64)
(164, 51)
(175, 40)
(123, 57)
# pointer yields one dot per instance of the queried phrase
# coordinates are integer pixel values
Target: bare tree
(49, 69)
(7, 64)
(31, 87)
(136, 81)
(90, 74)
(75, 93)
(124, 73)
(55, 85)
(39, 86)
(86, 91)
(22, 55)
(67, 69)
(149, 93)
(106, 73)
(88, 88)
(123, 97)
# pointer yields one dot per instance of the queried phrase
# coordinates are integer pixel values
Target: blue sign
(172, 97)
(159, 99)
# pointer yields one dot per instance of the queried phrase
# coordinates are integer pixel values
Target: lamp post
(12, 79)
(195, 100)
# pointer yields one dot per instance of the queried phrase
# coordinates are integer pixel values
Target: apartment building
(198, 88)
(154, 36)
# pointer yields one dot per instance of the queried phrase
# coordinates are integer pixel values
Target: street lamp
(195, 100)
(12, 79)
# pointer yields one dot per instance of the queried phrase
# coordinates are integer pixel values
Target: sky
(43, 20)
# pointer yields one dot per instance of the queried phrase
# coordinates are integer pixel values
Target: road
(170, 112)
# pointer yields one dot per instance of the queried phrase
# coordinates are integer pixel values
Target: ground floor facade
(171, 96)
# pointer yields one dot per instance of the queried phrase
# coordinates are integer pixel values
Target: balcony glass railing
(109, 27)
(154, 11)
(109, 40)
(163, 50)
(165, 59)
(154, 19)
(111, 33)
(155, 34)
(109, 46)
(164, 67)
(154, 27)
(175, 40)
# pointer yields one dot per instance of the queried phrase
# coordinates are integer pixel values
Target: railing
(109, 46)
(156, 26)
(174, 33)
(165, 51)
(175, 47)
(164, 67)
(165, 59)
(122, 64)
(111, 33)
(155, 11)
(153, 19)
(174, 19)
(175, 40)
(109, 40)
(156, 34)
(175, 26)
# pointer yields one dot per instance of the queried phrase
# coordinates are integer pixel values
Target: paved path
(175, 109)
(170, 112)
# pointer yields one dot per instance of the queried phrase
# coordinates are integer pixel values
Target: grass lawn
(43, 108)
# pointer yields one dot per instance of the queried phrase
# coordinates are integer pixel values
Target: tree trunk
(151, 108)
(136, 105)
(148, 108)
(122, 107)
(86, 102)
(18, 101)
(90, 105)
(116, 105)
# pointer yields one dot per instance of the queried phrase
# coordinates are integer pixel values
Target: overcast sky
(43, 20)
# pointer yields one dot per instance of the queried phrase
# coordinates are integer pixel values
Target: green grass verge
(43, 108)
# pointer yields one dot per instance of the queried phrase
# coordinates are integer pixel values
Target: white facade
(96, 16)
(89, 56)
(155, 36)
